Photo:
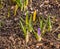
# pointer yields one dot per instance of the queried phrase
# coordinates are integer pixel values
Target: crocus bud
(39, 31)
(39, 34)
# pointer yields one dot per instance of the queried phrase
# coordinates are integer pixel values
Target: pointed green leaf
(30, 24)
(41, 25)
(27, 18)
(22, 19)
(23, 28)
(19, 2)
(49, 23)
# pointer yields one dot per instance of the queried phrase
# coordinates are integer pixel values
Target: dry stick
(56, 29)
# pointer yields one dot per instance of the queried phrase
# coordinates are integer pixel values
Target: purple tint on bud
(39, 32)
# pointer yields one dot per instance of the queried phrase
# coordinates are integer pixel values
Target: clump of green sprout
(27, 28)
(37, 34)
(22, 4)
(42, 29)
(44, 26)
(19, 3)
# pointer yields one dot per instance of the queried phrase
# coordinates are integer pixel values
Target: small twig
(56, 29)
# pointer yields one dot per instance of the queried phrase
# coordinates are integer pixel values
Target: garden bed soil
(11, 35)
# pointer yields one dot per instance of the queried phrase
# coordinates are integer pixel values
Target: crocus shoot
(49, 23)
(27, 27)
(37, 34)
(15, 10)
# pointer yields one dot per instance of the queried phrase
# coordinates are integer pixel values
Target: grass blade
(16, 7)
(27, 18)
(41, 25)
(23, 28)
(30, 24)
(22, 19)
(49, 23)
(19, 3)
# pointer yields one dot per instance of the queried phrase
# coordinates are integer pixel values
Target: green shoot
(30, 24)
(25, 4)
(41, 25)
(22, 4)
(26, 32)
(15, 10)
(22, 19)
(27, 28)
(19, 3)
(44, 30)
(49, 23)
(23, 28)
(27, 18)
(8, 12)
(37, 36)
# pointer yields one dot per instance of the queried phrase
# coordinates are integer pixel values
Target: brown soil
(11, 35)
